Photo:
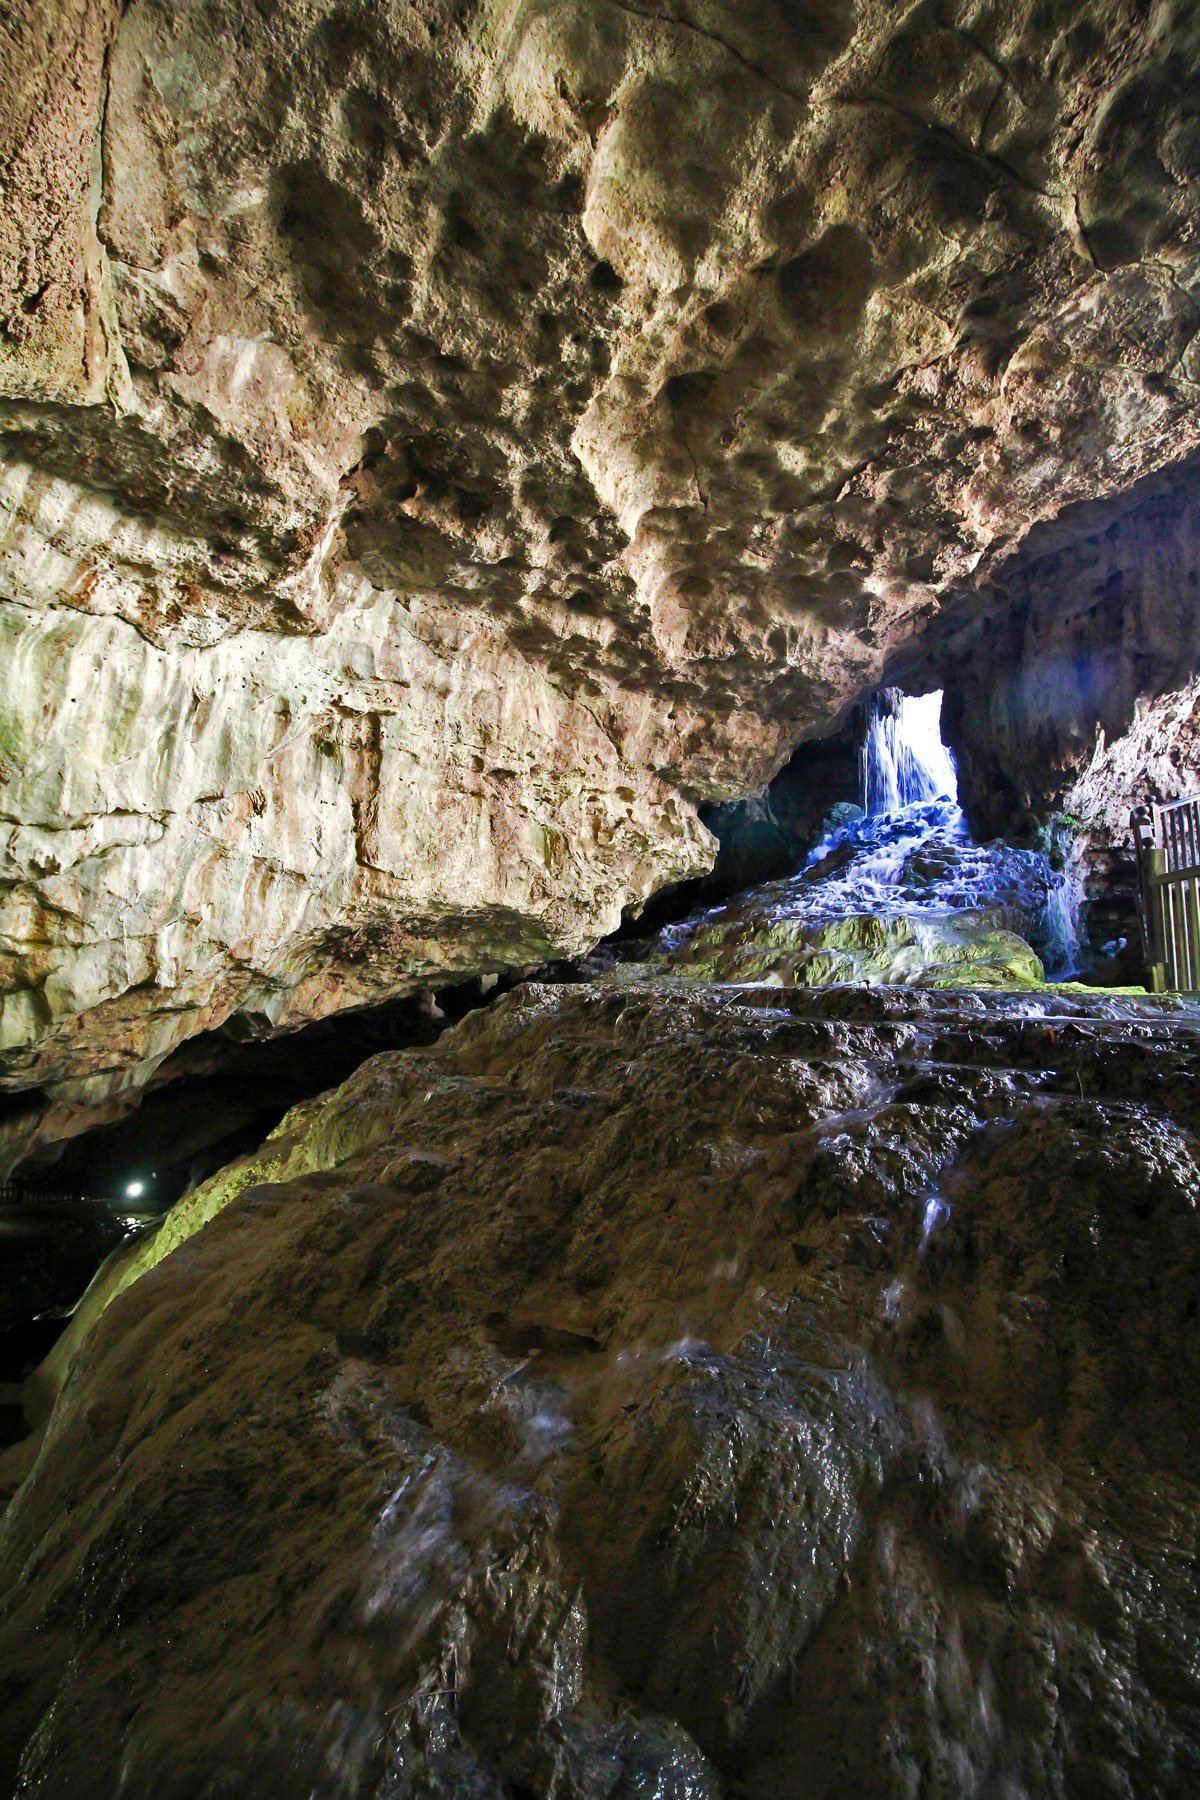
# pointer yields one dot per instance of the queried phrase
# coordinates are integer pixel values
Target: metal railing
(26, 1193)
(1168, 853)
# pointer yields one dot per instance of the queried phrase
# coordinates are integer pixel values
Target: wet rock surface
(657, 1389)
(904, 897)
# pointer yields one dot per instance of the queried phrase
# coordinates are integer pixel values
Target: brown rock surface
(445, 442)
(663, 1390)
(1158, 759)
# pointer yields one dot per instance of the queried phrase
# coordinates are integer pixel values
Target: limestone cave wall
(446, 443)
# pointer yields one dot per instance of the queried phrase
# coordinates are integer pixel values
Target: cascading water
(903, 759)
(912, 852)
(900, 891)
(1062, 945)
(918, 844)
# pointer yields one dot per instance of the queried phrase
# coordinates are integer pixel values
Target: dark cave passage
(74, 1201)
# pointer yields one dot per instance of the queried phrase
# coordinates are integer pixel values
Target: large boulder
(655, 1390)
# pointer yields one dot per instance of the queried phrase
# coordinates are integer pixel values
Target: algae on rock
(968, 949)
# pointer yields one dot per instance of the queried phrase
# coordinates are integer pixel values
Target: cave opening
(876, 803)
(903, 757)
(859, 865)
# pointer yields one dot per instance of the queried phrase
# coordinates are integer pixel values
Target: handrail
(1175, 874)
(1166, 838)
(24, 1193)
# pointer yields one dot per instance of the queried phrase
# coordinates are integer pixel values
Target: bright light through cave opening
(904, 761)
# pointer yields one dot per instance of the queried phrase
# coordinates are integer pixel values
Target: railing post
(1166, 919)
(1151, 861)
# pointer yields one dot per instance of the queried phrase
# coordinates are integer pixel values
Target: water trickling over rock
(688, 1391)
(898, 892)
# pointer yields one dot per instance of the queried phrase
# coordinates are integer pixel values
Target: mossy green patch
(963, 949)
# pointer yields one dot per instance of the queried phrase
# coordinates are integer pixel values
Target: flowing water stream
(911, 851)
(920, 848)
(896, 889)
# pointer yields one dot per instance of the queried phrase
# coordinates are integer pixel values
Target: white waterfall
(904, 769)
(1062, 948)
(904, 760)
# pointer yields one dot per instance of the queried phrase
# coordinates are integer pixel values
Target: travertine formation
(652, 1389)
(446, 440)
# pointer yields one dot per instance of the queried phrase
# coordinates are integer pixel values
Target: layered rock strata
(658, 1389)
(445, 443)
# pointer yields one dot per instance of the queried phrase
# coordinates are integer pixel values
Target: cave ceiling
(444, 444)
